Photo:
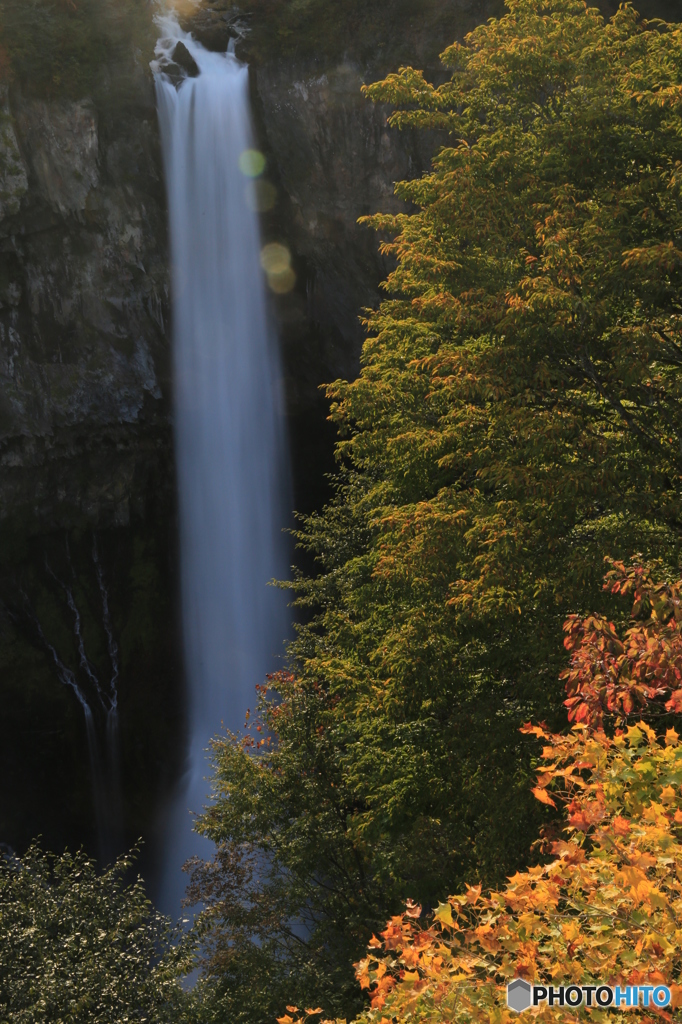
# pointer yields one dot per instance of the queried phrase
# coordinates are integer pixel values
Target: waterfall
(230, 438)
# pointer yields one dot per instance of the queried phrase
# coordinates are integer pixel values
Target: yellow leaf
(634, 735)
(657, 900)
(444, 914)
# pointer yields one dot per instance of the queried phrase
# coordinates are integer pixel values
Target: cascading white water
(230, 443)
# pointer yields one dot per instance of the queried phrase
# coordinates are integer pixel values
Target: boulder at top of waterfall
(210, 27)
(185, 60)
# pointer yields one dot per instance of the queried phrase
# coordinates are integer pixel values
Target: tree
(517, 418)
(81, 947)
(605, 907)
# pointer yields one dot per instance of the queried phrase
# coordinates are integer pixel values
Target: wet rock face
(213, 25)
(13, 175)
(84, 354)
(61, 141)
(181, 65)
(336, 160)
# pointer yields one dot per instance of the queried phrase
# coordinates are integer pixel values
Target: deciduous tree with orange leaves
(605, 903)
(517, 418)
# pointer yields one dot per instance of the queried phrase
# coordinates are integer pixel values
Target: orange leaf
(671, 737)
(533, 730)
(543, 796)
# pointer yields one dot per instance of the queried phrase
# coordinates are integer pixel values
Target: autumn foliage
(610, 675)
(517, 418)
(606, 903)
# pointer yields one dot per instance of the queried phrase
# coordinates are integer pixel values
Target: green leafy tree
(81, 947)
(517, 418)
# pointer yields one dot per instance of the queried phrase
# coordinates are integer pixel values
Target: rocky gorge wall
(86, 457)
(86, 467)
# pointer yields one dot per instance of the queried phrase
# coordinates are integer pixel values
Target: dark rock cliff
(85, 439)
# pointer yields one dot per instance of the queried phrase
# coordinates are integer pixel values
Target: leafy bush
(79, 946)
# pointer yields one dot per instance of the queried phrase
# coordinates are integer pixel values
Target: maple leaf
(543, 796)
(443, 913)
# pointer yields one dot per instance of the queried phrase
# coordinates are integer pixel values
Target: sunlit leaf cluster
(84, 947)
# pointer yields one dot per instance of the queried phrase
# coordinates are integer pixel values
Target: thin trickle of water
(230, 438)
(77, 630)
(98, 701)
(112, 735)
(112, 646)
(105, 822)
(64, 674)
